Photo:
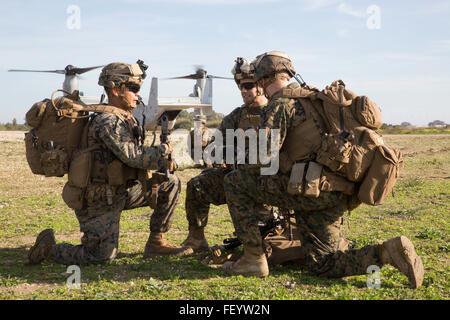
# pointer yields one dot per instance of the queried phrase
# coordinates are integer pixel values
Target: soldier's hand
(173, 165)
(165, 149)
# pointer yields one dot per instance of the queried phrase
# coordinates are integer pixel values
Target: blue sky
(402, 62)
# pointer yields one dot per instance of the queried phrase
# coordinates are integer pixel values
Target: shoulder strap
(298, 92)
(100, 108)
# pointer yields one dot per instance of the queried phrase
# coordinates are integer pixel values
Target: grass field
(30, 203)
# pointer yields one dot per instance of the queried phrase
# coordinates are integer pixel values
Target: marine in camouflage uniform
(118, 180)
(207, 188)
(319, 218)
(205, 140)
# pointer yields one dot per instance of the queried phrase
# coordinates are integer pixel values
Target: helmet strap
(269, 80)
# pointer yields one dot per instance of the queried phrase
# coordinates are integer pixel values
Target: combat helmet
(242, 70)
(116, 73)
(272, 62)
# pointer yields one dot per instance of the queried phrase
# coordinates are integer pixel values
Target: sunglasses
(133, 87)
(247, 85)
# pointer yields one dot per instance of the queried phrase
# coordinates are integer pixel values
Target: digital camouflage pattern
(117, 136)
(207, 187)
(116, 73)
(202, 191)
(279, 114)
(269, 63)
(318, 222)
(99, 221)
(318, 219)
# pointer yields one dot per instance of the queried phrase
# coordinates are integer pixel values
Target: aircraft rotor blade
(51, 71)
(191, 76)
(216, 77)
(83, 70)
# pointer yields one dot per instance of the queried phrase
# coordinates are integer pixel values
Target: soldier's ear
(115, 91)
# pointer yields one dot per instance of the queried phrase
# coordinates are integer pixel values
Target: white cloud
(312, 5)
(348, 10)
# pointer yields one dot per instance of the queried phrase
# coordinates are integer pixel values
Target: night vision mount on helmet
(242, 70)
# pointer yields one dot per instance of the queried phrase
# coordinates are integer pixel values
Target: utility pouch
(33, 152)
(73, 197)
(80, 169)
(295, 185)
(334, 152)
(312, 178)
(54, 162)
(381, 176)
(330, 181)
(115, 173)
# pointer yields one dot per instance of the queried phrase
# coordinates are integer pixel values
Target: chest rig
(250, 118)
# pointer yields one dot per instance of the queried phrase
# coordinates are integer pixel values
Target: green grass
(29, 204)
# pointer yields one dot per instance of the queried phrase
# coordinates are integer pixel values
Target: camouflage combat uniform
(99, 220)
(318, 219)
(207, 187)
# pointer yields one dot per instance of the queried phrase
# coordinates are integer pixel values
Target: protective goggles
(247, 85)
(133, 87)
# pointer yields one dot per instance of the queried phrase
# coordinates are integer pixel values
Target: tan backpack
(347, 142)
(57, 130)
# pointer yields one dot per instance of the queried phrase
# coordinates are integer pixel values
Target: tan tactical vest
(249, 118)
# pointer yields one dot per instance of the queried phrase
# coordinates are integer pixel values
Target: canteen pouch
(73, 197)
(381, 176)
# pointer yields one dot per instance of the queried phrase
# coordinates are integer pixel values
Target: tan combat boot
(156, 246)
(196, 239)
(41, 249)
(399, 252)
(252, 263)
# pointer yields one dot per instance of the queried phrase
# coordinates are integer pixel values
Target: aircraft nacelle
(150, 113)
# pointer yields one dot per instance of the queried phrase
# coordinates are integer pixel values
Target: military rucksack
(339, 133)
(57, 130)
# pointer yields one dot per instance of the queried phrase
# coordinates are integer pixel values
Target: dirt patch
(429, 151)
(12, 135)
(26, 288)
